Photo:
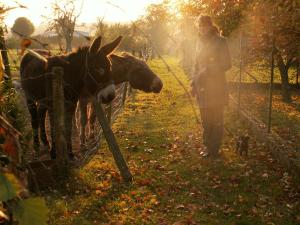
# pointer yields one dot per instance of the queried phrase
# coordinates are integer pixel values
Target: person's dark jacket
(211, 62)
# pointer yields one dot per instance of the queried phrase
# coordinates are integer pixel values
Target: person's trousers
(213, 126)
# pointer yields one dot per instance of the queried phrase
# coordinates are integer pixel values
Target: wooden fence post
(112, 143)
(59, 120)
(109, 113)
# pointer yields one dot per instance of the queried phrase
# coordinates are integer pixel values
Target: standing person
(209, 84)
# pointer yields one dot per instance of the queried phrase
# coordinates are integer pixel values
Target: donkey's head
(140, 76)
(98, 69)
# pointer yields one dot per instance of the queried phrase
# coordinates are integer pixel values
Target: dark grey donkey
(89, 68)
(125, 68)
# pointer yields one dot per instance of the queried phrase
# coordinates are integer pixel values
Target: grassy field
(172, 184)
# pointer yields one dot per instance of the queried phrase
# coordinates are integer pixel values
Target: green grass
(161, 141)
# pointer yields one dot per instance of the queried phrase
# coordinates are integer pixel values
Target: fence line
(280, 148)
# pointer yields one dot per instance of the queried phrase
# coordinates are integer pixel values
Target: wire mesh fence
(257, 95)
(257, 85)
(93, 142)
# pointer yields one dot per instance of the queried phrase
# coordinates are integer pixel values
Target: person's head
(206, 25)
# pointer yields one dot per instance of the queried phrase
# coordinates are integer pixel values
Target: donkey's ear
(95, 45)
(109, 48)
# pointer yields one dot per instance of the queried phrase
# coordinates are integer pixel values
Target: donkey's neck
(78, 60)
(120, 69)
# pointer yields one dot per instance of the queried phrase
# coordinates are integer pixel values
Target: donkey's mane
(75, 58)
(78, 51)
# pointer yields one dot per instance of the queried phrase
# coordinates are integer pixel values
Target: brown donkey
(89, 68)
(125, 67)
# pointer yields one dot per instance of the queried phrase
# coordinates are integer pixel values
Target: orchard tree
(63, 19)
(157, 23)
(3, 10)
(23, 27)
(278, 21)
(227, 14)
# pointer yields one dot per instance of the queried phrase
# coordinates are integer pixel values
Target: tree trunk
(68, 44)
(285, 86)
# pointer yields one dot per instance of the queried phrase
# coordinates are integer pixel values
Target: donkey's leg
(52, 126)
(83, 120)
(92, 118)
(42, 110)
(34, 123)
(69, 114)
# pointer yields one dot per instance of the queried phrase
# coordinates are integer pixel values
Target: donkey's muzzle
(108, 98)
(157, 85)
(107, 94)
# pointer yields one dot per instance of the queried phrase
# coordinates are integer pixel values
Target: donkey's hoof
(53, 154)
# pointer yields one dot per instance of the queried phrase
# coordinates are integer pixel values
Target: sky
(131, 10)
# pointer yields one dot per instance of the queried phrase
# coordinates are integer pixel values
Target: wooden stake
(59, 120)
(112, 143)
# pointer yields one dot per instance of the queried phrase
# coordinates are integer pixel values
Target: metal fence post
(271, 87)
(240, 73)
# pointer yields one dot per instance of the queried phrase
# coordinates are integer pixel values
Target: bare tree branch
(63, 20)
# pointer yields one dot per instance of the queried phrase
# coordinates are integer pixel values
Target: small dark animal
(88, 68)
(242, 145)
